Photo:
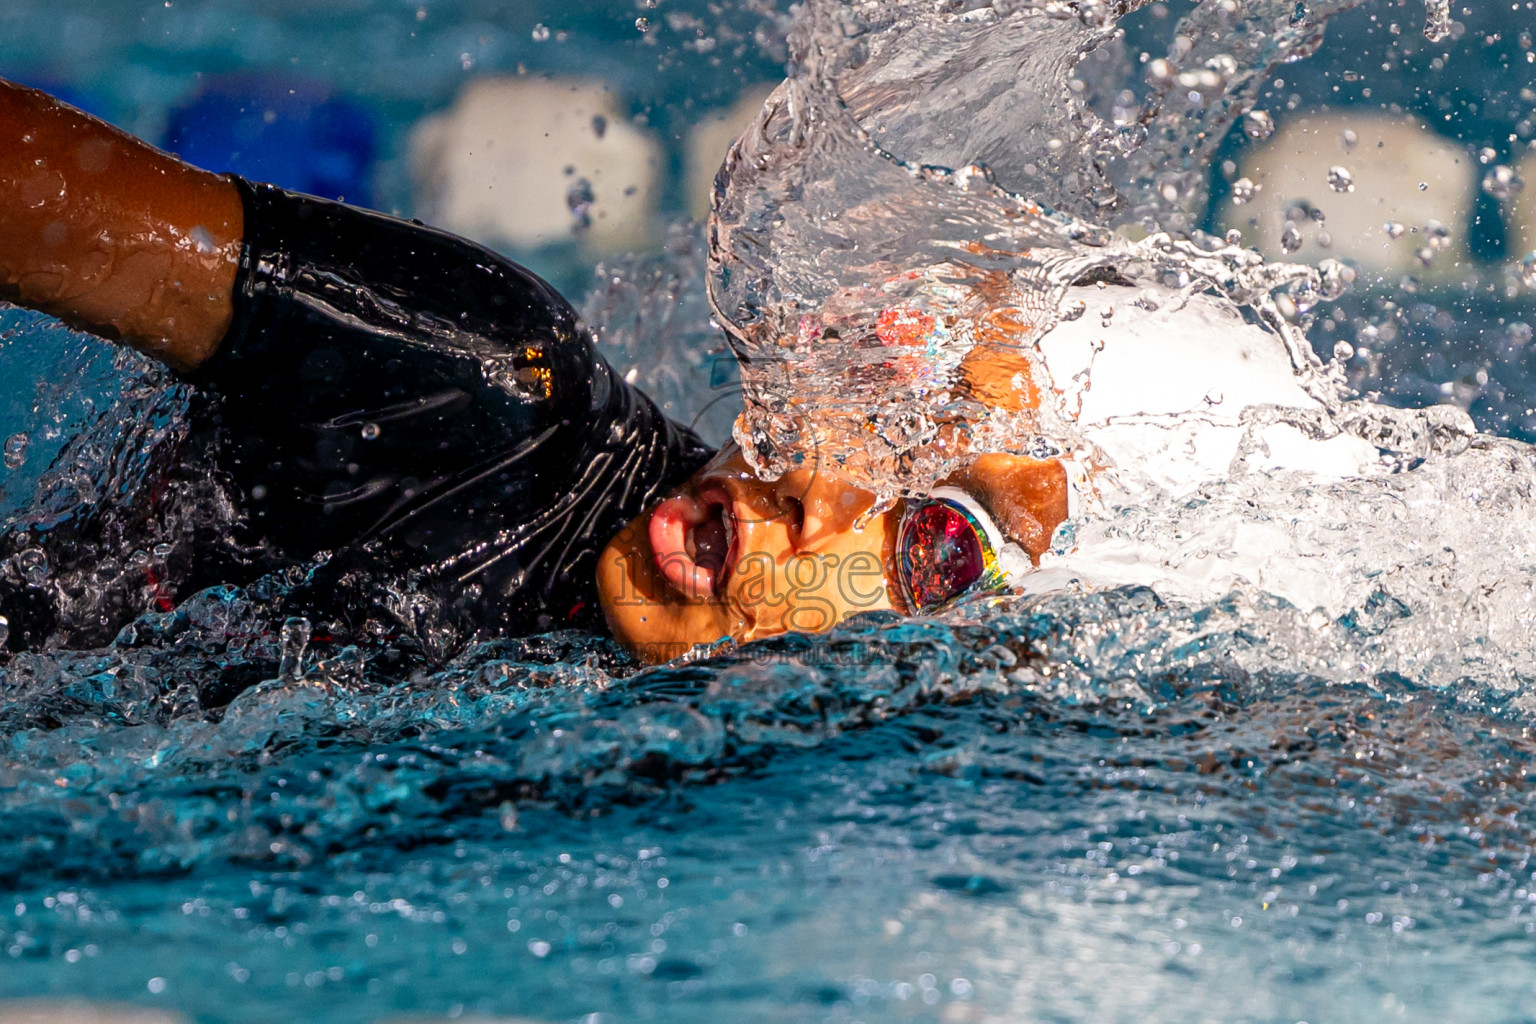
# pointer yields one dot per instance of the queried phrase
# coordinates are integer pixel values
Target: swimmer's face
(730, 555)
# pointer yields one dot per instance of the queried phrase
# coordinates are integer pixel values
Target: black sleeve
(414, 403)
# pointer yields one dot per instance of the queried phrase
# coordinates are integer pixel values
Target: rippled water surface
(1277, 768)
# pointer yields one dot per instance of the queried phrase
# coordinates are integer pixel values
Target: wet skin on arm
(111, 235)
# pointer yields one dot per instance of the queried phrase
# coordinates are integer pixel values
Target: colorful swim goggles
(947, 545)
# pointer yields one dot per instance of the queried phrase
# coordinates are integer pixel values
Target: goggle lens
(941, 554)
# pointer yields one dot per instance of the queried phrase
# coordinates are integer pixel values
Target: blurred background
(557, 129)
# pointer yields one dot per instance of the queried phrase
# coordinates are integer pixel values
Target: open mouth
(692, 538)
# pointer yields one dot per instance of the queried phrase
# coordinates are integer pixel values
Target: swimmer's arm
(111, 235)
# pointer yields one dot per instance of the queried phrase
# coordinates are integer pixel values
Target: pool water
(1135, 803)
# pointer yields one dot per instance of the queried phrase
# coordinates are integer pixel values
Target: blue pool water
(1079, 807)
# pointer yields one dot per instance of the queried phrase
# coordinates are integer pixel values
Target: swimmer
(429, 423)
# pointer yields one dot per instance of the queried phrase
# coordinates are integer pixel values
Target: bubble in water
(1243, 190)
(1343, 351)
(370, 431)
(1423, 186)
(1340, 180)
(295, 639)
(1426, 255)
(1502, 182)
(5, 630)
(1290, 239)
(1234, 237)
(16, 450)
(540, 33)
(1439, 235)
(1520, 332)
(1394, 229)
(1258, 124)
(1487, 155)
(1349, 139)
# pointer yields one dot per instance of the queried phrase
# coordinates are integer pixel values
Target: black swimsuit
(427, 418)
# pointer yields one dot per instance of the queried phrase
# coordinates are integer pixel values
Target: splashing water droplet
(16, 450)
(1502, 182)
(1290, 239)
(540, 33)
(1340, 180)
(1335, 278)
(1258, 124)
(1437, 19)
(1243, 190)
(1074, 310)
(33, 566)
(1394, 229)
(1423, 186)
(579, 199)
(295, 639)
(974, 176)
(1528, 271)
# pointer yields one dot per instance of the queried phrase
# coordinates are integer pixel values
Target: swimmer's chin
(645, 614)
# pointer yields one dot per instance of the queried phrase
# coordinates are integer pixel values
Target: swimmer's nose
(821, 503)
